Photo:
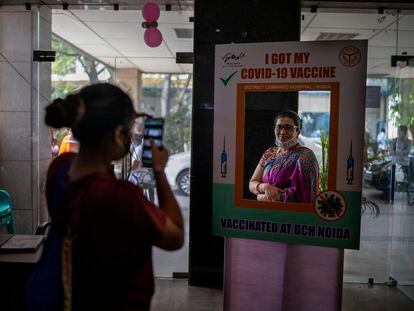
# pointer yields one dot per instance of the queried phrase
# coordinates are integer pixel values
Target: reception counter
(15, 270)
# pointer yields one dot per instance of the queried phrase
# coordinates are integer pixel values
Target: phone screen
(153, 128)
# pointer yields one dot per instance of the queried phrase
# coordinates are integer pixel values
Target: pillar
(130, 80)
(25, 90)
(221, 22)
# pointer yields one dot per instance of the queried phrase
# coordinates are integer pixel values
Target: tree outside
(178, 130)
(170, 96)
(163, 95)
(402, 109)
(71, 71)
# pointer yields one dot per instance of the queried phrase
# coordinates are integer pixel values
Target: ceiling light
(325, 36)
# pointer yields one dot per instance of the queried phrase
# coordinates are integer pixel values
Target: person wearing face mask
(400, 147)
(97, 255)
(287, 172)
(138, 175)
(399, 151)
(136, 150)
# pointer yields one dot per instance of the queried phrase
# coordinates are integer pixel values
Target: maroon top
(116, 227)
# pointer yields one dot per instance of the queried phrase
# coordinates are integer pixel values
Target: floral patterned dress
(295, 172)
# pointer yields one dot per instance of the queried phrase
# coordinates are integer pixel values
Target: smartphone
(153, 128)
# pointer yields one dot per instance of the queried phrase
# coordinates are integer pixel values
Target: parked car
(313, 145)
(377, 173)
(316, 134)
(178, 172)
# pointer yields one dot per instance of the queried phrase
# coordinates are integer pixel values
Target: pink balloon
(152, 37)
(151, 11)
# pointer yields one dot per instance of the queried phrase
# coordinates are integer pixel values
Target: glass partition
(72, 70)
(386, 250)
(167, 96)
(401, 150)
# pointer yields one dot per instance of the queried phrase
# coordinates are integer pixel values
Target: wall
(24, 92)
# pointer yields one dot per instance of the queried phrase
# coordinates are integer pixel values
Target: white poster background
(233, 58)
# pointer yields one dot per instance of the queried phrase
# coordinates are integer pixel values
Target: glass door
(402, 155)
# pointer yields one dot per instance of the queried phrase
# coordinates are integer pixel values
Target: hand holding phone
(159, 157)
(153, 132)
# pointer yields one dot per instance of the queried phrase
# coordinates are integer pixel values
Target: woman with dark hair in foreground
(97, 255)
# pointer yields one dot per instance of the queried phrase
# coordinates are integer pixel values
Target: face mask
(137, 137)
(286, 144)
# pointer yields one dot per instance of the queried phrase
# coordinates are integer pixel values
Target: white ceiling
(116, 37)
(379, 30)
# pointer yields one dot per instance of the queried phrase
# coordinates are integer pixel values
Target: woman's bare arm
(256, 180)
(264, 191)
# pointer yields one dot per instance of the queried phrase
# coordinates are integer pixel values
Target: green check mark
(226, 81)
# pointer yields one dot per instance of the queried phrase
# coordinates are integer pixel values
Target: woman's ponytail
(92, 113)
(62, 112)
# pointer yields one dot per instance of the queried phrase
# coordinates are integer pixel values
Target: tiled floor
(166, 262)
(372, 259)
(387, 244)
(360, 297)
(174, 295)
